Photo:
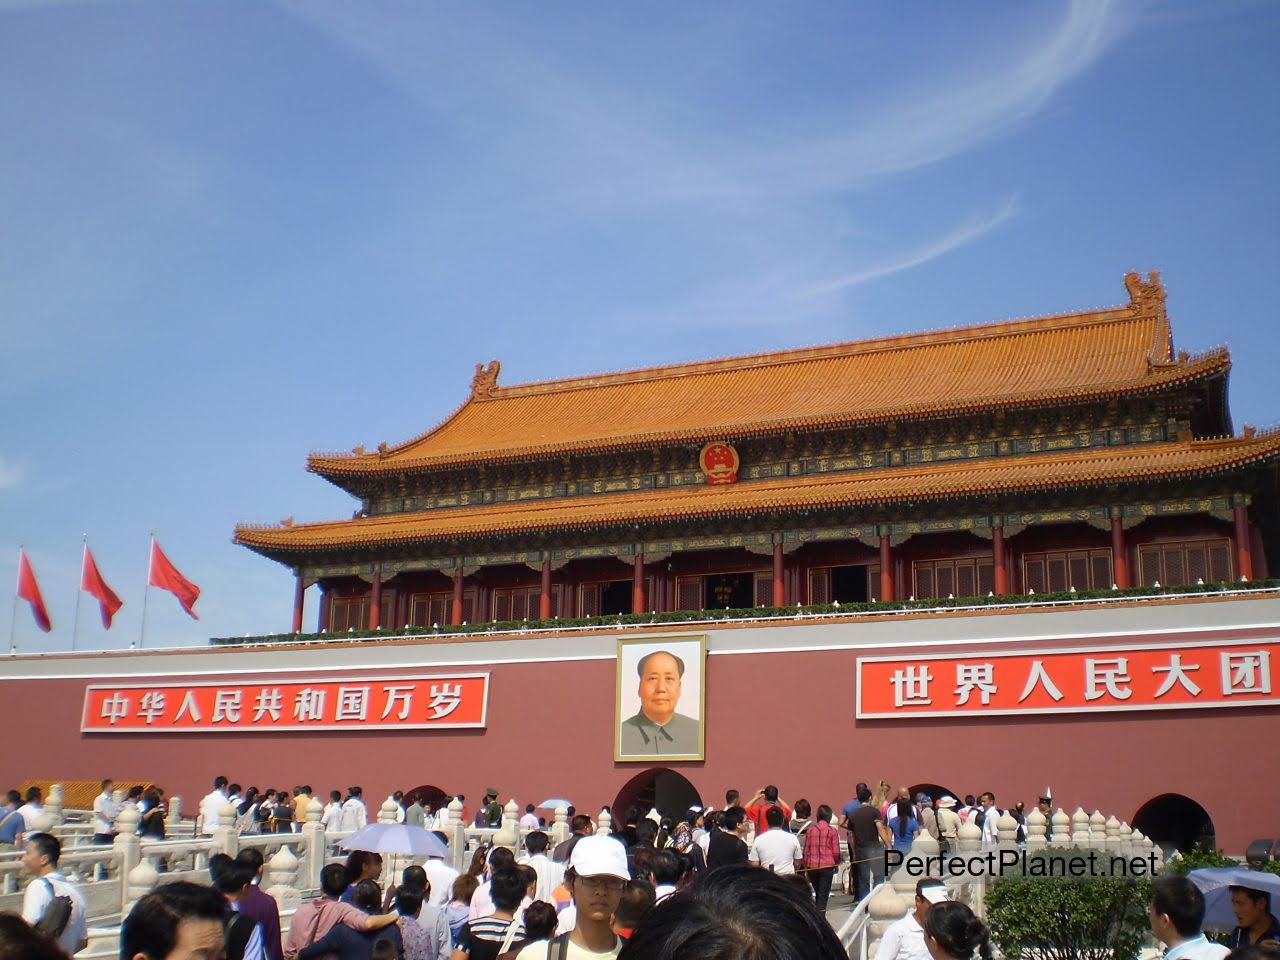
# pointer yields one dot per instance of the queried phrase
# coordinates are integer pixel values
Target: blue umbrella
(553, 803)
(396, 838)
(1214, 883)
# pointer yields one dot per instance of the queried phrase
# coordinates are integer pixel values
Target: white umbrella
(1215, 884)
(553, 803)
(396, 838)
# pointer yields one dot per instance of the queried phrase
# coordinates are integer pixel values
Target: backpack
(237, 930)
(57, 913)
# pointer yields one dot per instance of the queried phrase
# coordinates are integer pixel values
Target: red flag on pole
(91, 582)
(166, 576)
(29, 591)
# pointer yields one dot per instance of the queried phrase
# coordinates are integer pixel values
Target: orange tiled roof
(997, 475)
(1043, 360)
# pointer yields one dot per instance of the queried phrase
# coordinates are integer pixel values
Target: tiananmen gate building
(1011, 463)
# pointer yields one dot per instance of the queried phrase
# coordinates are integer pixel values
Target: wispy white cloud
(585, 132)
(758, 205)
(926, 125)
(967, 232)
(12, 473)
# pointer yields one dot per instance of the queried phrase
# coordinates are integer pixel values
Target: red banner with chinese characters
(265, 705)
(1231, 674)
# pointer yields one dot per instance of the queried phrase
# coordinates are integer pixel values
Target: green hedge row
(680, 616)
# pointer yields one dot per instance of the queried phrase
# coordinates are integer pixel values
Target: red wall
(785, 718)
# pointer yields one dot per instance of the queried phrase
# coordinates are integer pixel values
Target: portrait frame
(632, 739)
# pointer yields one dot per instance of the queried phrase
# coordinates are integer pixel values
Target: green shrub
(1098, 918)
(1197, 858)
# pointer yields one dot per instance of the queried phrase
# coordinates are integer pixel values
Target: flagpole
(13, 620)
(146, 591)
(75, 624)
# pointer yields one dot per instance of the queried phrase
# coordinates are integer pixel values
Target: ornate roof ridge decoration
(936, 482)
(1147, 298)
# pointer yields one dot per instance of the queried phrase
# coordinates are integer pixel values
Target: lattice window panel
(764, 589)
(689, 593)
(819, 586)
(962, 577)
(1059, 570)
(924, 581)
(1179, 564)
(873, 581)
(349, 613)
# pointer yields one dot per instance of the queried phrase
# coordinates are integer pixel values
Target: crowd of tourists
(750, 879)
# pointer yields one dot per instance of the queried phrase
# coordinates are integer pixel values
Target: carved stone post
(560, 828)
(1037, 827)
(53, 805)
(1061, 835)
(225, 838)
(173, 819)
(457, 835)
(508, 834)
(313, 846)
(140, 881)
(282, 874)
(128, 849)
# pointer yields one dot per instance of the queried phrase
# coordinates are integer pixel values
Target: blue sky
(232, 233)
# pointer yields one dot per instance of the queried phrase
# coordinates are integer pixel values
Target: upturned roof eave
(293, 554)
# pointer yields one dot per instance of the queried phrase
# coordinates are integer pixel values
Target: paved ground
(838, 909)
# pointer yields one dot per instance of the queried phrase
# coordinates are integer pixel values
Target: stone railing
(113, 877)
(1080, 832)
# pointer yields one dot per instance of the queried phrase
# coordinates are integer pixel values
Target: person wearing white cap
(597, 876)
(948, 819)
(904, 940)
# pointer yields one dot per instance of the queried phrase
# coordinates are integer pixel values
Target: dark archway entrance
(934, 791)
(657, 787)
(1175, 821)
(428, 795)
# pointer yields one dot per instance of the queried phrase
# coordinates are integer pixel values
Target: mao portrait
(660, 699)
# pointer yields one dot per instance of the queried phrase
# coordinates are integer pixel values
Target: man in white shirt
(104, 814)
(354, 814)
(990, 819)
(1175, 913)
(31, 810)
(331, 819)
(211, 806)
(440, 876)
(40, 858)
(530, 819)
(904, 940)
(550, 873)
(776, 849)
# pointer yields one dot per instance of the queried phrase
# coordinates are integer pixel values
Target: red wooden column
(375, 601)
(455, 614)
(1119, 554)
(326, 610)
(637, 585)
(544, 601)
(886, 569)
(299, 591)
(779, 585)
(1244, 543)
(999, 563)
